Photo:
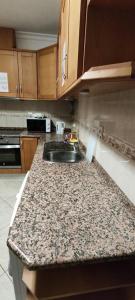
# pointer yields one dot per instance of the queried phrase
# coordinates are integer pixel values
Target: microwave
(39, 124)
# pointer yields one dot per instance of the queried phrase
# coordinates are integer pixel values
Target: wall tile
(116, 113)
(13, 113)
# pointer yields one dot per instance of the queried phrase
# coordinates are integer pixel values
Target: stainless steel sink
(62, 153)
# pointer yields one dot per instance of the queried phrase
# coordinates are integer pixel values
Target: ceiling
(30, 15)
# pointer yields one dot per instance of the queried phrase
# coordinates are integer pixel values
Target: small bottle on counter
(74, 134)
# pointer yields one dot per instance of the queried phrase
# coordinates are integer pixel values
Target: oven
(10, 156)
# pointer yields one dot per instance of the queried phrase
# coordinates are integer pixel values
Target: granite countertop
(71, 213)
(26, 133)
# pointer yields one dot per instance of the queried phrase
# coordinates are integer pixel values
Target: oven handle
(9, 146)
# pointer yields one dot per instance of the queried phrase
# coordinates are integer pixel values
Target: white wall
(34, 41)
(116, 112)
(120, 168)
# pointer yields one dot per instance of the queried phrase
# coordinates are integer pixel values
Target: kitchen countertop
(26, 133)
(71, 213)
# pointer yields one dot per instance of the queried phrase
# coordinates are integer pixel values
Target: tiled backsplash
(13, 113)
(115, 112)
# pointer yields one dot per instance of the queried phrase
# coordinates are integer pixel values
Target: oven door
(10, 156)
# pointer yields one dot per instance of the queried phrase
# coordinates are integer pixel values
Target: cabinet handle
(20, 89)
(66, 62)
(21, 145)
(17, 89)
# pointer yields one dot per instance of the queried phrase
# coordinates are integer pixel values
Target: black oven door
(10, 156)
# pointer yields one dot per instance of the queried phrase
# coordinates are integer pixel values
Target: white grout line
(5, 201)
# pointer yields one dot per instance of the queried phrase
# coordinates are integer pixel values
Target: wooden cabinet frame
(83, 281)
(71, 41)
(27, 66)
(28, 149)
(47, 77)
(21, 69)
(8, 64)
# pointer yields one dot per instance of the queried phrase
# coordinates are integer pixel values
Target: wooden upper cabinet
(20, 68)
(109, 37)
(7, 38)
(47, 62)
(71, 42)
(9, 68)
(63, 47)
(27, 75)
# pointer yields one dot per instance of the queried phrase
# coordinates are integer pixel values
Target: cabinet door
(27, 75)
(63, 47)
(73, 41)
(47, 60)
(77, 21)
(7, 38)
(28, 149)
(9, 68)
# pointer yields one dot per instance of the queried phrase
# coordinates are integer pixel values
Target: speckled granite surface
(26, 133)
(71, 213)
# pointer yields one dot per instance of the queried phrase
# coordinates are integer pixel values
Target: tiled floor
(9, 187)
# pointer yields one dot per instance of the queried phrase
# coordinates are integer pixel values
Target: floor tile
(9, 188)
(10, 200)
(8, 177)
(4, 254)
(5, 214)
(6, 288)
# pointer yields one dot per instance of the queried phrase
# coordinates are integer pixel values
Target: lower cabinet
(117, 294)
(30, 296)
(108, 281)
(28, 149)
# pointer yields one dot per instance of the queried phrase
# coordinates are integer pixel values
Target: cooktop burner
(10, 132)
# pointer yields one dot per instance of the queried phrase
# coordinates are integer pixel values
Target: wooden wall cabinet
(9, 65)
(21, 71)
(28, 149)
(47, 63)
(63, 46)
(7, 38)
(93, 33)
(110, 35)
(71, 42)
(27, 75)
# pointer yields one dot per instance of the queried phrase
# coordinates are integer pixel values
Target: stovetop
(4, 132)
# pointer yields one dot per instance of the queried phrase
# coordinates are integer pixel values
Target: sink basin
(63, 156)
(62, 153)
